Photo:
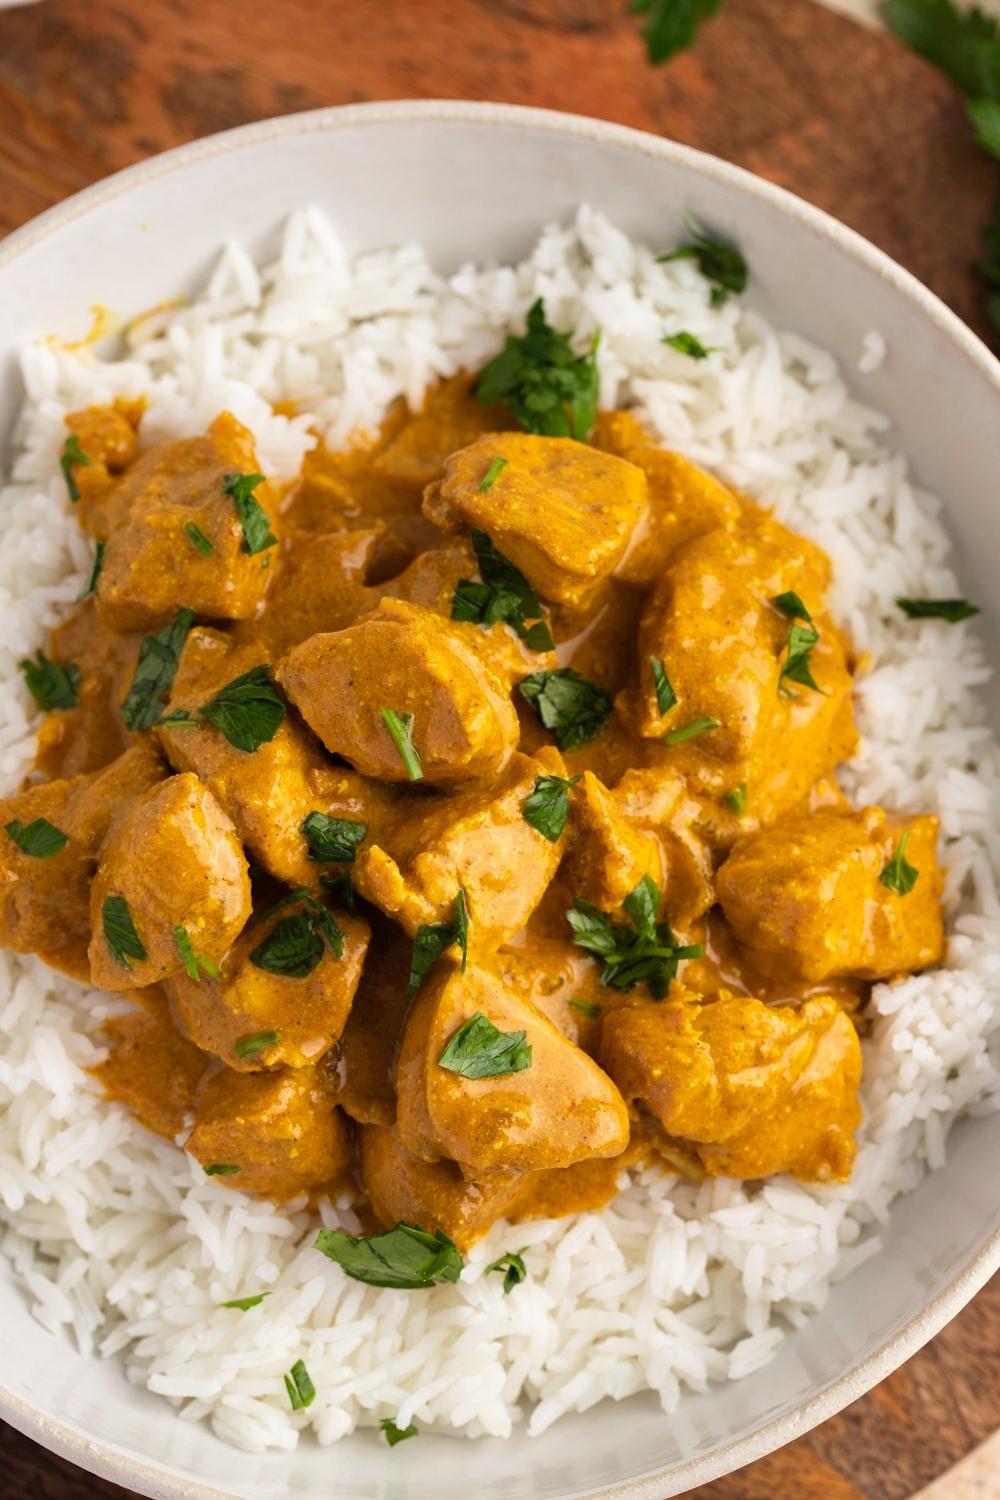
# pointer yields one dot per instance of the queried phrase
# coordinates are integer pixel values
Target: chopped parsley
(250, 1046)
(301, 1391)
(122, 939)
(244, 1304)
(90, 587)
(736, 800)
(39, 839)
(899, 875)
(489, 479)
(195, 964)
(647, 952)
(504, 594)
(257, 533)
(478, 1050)
(198, 539)
(719, 263)
(547, 807)
(332, 840)
(985, 117)
(221, 1169)
(434, 938)
(542, 382)
(514, 1269)
(405, 1257)
(672, 24)
(341, 888)
(50, 683)
(394, 1434)
(686, 343)
(400, 727)
(574, 709)
(296, 944)
(155, 670)
(801, 640)
(585, 1007)
(952, 610)
(249, 711)
(462, 926)
(691, 731)
(665, 695)
(72, 454)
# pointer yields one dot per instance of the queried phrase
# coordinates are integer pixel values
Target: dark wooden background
(842, 115)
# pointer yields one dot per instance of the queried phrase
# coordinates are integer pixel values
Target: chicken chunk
(434, 1195)
(280, 1131)
(174, 862)
(72, 741)
(282, 979)
(150, 1067)
(656, 799)
(322, 585)
(451, 417)
(174, 536)
(270, 792)
(476, 840)
(749, 1089)
(364, 1060)
(808, 899)
(684, 502)
(608, 855)
(45, 898)
(559, 1109)
(408, 661)
(106, 440)
(562, 512)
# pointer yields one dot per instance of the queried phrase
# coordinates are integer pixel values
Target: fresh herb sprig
(298, 1384)
(196, 965)
(155, 670)
(513, 1268)
(434, 938)
(687, 343)
(394, 1434)
(124, 942)
(952, 610)
(405, 1257)
(332, 840)
(549, 389)
(671, 25)
(647, 952)
(90, 587)
(257, 533)
(504, 595)
(38, 839)
(574, 709)
(73, 454)
(720, 263)
(797, 666)
(52, 684)
(899, 875)
(248, 711)
(478, 1049)
(257, 1042)
(400, 729)
(546, 808)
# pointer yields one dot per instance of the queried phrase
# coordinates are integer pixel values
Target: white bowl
(478, 181)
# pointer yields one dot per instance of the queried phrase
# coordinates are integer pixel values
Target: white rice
(120, 1240)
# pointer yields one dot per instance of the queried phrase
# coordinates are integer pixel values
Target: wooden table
(840, 114)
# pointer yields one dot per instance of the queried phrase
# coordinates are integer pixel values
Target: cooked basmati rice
(120, 1240)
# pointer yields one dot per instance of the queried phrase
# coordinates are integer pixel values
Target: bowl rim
(117, 1464)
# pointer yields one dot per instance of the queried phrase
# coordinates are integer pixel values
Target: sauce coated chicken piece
(150, 1067)
(107, 437)
(281, 1130)
(175, 861)
(608, 855)
(364, 1060)
(562, 512)
(477, 839)
(72, 741)
(410, 661)
(559, 1110)
(152, 567)
(684, 502)
(435, 1195)
(746, 1088)
(270, 791)
(806, 900)
(45, 902)
(302, 997)
(322, 585)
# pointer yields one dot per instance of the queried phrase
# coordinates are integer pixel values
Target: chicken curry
(461, 819)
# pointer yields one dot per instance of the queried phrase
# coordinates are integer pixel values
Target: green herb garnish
(686, 343)
(341, 888)
(585, 1007)
(257, 533)
(648, 952)
(155, 670)
(899, 875)
(72, 454)
(672, 24)
(665, 695)
(963, 44)
(952, 610)
(489, 479)
(548, 388)
(301, 1391)
(574, 709)
(690, 731)
(332, 840)
(400, 727)
(249, 1046)
(394, 1434)
(513, 1268)
(547, 807)
(120, 934)
(50, 683)
(736, 800)
(462, 927)
(801, 640)
(478, 1050)
(221, 1169)
(504, 594)
(90, 587)
(249, 711)
(39, 839)
(295, 945)
(244, 1304)
(433, 938)
(719, 263)
(195, 964)
(198, 539)
(405, 1257)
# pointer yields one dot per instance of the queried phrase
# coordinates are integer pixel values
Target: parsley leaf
(120, 934)
(736, 800)
(899, 875)
(39, 839)
(547, 807)
(301, 1391)
(478, 1050)
(647, 952)
(249, 710)
(72, 454)
(332, 840)
(195, 964)
(791, 605)
(985, 117)
(665, 695)
(198, 539)
(514, 1270)
(548, 388)
(690, 731)
(400, 727)
(249, 1046)
(221, 1169)
(719, 263)
(686, 343)
(489, 479)
(244, 1304)
(801, 640)
(952, 610)
(155, 670)
(90, 587)
(963, 44)
(462, 926)
(504, 594)
(405, 1257)
(672, 24)
(434, 938)
(295, 945)
(394, 1434)
(573, 708)
(585, 1007)
(341, 888)
(50, 683)
(257, 533)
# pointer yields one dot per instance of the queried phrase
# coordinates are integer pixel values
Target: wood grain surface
(835, 112)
